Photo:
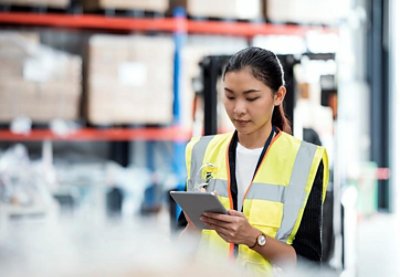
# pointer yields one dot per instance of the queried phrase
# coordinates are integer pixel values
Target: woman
(272, 183)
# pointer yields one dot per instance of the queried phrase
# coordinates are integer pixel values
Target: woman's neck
(255, 139)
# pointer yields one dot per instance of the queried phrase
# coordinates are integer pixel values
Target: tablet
(196, 203)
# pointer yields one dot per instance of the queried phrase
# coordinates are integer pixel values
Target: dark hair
(265, 67)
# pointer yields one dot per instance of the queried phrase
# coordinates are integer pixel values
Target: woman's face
(249, 102)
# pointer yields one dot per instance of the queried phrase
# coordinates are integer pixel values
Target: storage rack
(179, 25)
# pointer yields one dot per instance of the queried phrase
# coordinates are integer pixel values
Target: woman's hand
(190, 226)
(233, 227)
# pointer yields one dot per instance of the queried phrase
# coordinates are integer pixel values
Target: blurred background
(99, 98)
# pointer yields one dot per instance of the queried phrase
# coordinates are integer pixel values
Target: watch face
(261, 240)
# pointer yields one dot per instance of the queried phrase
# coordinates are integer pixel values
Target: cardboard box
(240, 9)
(130, 80)
(22, 56)
(15, 48)
(306, 11)
(146, 5)
(41, 102)
(37, 81)
(34, 3)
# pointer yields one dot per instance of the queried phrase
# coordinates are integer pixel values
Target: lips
(242, 122)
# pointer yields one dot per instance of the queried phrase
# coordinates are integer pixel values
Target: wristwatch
(260, 241)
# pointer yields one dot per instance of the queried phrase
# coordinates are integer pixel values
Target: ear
(279, 95)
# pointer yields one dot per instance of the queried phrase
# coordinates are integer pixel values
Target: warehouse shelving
(175, 25)
(179, 26)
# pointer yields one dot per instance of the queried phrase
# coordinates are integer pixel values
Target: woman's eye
(230, 97)
(252, 99)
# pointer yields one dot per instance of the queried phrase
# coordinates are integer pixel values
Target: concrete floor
(378, 249)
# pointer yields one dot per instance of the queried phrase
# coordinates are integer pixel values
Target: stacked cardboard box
(307, 11)
(241, 9)
(130, 80)
(36, 81)
(44, 3)
(147, 5)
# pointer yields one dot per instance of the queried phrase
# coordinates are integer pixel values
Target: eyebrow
(244, 92)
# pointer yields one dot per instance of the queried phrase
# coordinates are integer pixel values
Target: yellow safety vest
(274, 203)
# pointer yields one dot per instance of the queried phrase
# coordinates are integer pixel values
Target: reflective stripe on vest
(219, 187)
(295, 192)
(197, 160)
(258, 190)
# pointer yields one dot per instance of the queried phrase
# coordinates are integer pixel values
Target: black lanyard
(232, 162)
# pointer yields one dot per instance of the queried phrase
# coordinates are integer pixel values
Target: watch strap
(254, 245)
(256, 242)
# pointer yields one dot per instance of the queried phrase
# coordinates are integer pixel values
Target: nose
(240, 108)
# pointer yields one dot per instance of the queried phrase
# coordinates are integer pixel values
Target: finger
(215, 222)
(224, 232)
(225, 235)
(209, 226)
(223, 229)
(220, 217)
(210, 223)
(235, 213)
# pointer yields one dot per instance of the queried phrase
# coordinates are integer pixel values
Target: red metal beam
(89, 22)
(93, 134)
(155, 24)
(244, 28)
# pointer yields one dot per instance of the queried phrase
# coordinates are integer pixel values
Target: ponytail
(280, 120)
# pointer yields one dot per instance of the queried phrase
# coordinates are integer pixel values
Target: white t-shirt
(246, 162)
